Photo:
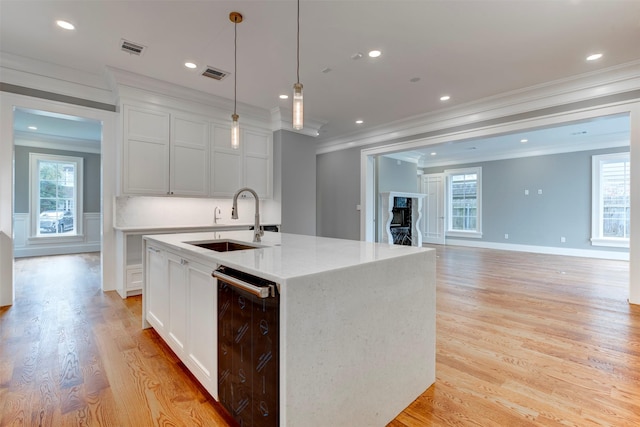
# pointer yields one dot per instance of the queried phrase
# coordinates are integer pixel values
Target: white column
(634, 243)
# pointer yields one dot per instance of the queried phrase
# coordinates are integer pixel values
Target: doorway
(100, 225)
(56, 183)
(631, 113)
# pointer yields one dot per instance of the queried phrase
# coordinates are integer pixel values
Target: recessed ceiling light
(359, 122)
(434, 153)
(190, 65)
(66, 25)
(32, 128)
(594, 57)
(445, 98)
(374, 53)
(357, 55)
(284, 96)
(524, 141)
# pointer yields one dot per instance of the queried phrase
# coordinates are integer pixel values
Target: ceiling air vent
(214, 73)
(132, 48)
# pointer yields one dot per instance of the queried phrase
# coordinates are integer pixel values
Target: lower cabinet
(157, 296)
(181, 306)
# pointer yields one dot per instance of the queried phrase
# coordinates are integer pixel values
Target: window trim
(477, 233)
(34, 178)
(596, 200)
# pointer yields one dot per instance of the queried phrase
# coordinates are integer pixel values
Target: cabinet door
(177, 328)
(203, 326)
(157, 290)
(257, 149)
(189, 156)
(145, 151)
(226, 163)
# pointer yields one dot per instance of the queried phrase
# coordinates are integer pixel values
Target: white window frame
(34, 197)
(450, 232)
(597, 238)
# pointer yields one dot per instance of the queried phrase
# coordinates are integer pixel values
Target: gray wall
(396, 175)
(338, 194)
(295, 181)
(90, 186)
(562, 210)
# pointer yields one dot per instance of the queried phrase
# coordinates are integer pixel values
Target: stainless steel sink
(222, 245)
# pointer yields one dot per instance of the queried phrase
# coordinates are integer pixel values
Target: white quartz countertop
(283, 256)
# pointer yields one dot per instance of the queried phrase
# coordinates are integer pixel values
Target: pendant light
(236, 18)
(298, 111)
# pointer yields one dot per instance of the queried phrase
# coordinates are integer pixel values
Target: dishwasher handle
(260, 292)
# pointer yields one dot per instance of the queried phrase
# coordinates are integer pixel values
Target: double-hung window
(611, 200)
(56, 195)
(464, 202)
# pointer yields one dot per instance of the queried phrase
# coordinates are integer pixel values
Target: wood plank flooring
(522, 340)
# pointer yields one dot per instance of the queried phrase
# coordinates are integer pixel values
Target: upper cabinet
(164, 153)
(146, 151)
(189, 166)
(175, 153)
(251, 165)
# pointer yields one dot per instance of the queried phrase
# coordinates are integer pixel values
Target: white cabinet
(257, 164)
(189, 166)
(157, 297)
(202, 323)
(145, 151)
(226, 163)
(181, 304)
(251, 165)
(164, 153)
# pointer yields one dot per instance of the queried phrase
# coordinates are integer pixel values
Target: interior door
(433, 208)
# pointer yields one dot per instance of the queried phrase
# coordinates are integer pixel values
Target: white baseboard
(550, 250)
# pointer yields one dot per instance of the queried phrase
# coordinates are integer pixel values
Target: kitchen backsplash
(130, 211)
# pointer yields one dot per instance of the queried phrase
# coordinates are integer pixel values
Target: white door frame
(367, 226)
(9, 101)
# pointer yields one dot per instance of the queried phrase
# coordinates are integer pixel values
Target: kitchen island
(356, 319)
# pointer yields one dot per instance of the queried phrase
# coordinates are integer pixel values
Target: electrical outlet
(563, 239)
(506, 236)
(540, 191)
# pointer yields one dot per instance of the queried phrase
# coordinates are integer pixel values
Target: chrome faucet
(257, 230)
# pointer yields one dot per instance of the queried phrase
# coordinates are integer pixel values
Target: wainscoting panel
(25, 247)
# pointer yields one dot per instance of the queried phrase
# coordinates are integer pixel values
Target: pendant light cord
(235, 63)
(298, 48)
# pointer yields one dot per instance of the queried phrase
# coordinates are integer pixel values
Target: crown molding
(52, 142)
(35, 74)
(131, 86)
(584, 87)
(282, 119)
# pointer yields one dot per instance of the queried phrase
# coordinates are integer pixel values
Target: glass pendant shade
(235, 132)
(298, 108)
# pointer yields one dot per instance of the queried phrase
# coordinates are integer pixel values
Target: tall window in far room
(464, 197)
(56, 195)
(611, 200)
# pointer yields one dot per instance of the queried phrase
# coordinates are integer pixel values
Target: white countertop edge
(160, 228)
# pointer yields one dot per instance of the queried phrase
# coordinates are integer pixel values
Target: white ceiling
(467, 49)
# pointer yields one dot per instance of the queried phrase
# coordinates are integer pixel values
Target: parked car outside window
(56, 221)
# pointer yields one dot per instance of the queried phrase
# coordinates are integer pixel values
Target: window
(56, 195)
(464, 202)
(611, 200)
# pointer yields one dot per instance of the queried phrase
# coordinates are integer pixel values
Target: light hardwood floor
(522, 340)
